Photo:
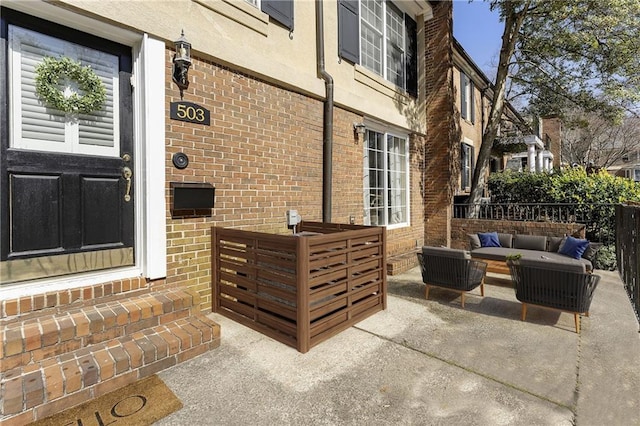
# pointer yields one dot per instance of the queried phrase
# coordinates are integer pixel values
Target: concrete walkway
(428, 362)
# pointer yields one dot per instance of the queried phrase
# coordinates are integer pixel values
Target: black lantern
(181, 63)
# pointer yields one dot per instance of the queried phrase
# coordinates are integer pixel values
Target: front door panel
(66, 205)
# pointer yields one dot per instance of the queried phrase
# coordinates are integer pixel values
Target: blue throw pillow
(574, 247)
(489, 239)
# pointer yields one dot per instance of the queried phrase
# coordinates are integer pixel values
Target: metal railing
(628, 251)
(599, 219)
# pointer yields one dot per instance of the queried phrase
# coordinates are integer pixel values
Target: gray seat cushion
(501, 253)
(554, 265)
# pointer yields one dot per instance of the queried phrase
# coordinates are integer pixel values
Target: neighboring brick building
(102, 280)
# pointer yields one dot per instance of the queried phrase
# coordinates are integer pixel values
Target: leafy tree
(558, 53)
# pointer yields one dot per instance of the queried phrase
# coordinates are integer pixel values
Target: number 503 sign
(190, 112)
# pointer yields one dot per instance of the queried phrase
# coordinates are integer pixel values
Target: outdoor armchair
(451, 269)
(552, 284)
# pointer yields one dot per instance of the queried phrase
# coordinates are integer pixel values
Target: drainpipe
(327, 120)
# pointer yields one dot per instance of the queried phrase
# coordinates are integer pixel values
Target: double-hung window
(466, 166)
(386, 179)
(382, 38)
(467, 98)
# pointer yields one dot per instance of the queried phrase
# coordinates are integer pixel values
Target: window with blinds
(37, 126)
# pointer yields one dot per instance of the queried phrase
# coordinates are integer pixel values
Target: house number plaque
(189, 112)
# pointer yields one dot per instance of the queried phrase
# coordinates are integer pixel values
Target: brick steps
(57, 360)
(401, 263)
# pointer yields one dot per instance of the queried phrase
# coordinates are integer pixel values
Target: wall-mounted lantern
(359, 130)
(181, 63)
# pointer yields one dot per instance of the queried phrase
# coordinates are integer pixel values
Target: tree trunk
(513, 22)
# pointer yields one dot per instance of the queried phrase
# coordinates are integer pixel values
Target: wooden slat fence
(300, 289)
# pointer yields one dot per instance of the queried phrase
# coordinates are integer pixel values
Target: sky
(479, 31)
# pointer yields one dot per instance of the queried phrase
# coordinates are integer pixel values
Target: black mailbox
(192, 195)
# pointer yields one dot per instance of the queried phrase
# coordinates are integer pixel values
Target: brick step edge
(61, 300)
(402, 263)
(48, 335)
(44, 388)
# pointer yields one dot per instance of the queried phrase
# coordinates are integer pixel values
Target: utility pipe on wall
(327, 120)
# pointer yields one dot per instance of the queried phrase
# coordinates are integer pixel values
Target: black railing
(597, 218)
(628, 251)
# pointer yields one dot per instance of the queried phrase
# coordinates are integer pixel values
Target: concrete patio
(428, 362)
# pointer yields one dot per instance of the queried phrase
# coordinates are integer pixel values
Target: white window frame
(468, 144)
(369, 203)
(384, 43)
(467, 98)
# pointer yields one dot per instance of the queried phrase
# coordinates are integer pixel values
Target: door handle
(126, 174)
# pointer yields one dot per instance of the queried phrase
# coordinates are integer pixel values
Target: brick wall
(552, 126)
(461, 227)
(263, 154)
(443, 128)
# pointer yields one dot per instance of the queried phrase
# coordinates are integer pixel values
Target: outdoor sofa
(494, 248)
(451, 269)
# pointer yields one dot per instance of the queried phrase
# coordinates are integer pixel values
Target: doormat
(138, 404)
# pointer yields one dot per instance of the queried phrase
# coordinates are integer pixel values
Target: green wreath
(48, 75)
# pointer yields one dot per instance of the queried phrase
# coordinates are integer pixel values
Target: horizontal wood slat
(336, 271)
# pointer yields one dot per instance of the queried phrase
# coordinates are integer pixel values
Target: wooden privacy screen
(300, 289)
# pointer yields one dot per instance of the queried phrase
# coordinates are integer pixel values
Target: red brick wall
(263, 154)
(443, 130)
(461, 227)
(553, 128)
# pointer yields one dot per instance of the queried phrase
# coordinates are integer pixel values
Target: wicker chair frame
(567, 291)
(456, 274)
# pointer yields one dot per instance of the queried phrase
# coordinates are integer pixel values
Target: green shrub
(594, 194)
(605, 258)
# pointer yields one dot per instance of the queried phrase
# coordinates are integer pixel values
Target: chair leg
(426, 292)
(462, 299)
(482, 288)
(576, 319)
(524, 311)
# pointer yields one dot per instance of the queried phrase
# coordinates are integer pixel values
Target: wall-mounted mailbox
(192, 195)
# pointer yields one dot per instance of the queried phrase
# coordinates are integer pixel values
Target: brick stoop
(55, 360)
(402, 263)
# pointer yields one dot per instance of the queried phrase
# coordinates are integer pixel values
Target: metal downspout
(327, 120)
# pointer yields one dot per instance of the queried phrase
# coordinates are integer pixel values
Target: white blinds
(39, 127)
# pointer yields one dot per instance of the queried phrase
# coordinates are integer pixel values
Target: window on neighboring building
(466, 166)
(467, 98)
(379, 36)
(386, 179)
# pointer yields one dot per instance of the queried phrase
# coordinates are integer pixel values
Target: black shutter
(472, 99)
(348, 37)
(463, 95)
(280, 10)
(411, 52)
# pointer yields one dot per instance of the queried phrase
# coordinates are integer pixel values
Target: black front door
(66, 177)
